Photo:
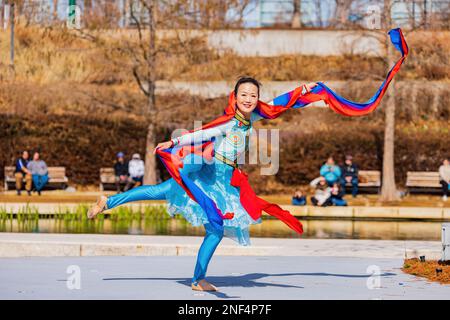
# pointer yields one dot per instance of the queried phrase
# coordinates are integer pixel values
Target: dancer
(207, 186)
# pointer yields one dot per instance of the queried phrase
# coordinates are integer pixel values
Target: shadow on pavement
(248, 280)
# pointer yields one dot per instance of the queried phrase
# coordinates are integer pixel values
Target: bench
(423, 182)
(56, 178)
(368, 181)
(107, 179)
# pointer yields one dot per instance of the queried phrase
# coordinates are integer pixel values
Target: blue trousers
(158, 192)
(338, 202)
(299, 202)
(354, 185)
(39, 181)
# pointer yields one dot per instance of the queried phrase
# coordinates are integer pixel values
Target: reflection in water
(314, 229)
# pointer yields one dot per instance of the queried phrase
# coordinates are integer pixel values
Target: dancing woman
(207, 186)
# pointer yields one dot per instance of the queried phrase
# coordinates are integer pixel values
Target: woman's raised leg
(147, 192)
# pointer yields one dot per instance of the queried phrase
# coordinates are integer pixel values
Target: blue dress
(230, 142)
(212, 177)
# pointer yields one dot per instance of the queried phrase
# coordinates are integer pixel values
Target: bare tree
(318, 8)
(297, 14)
(12, 22)
(139, 55)
(388, 188)
(55, 10)
(150, 163)
(341, 13)
(2, 12)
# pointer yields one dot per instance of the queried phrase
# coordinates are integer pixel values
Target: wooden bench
(368, 181)
(423, 182)
(56, 178)
(107, 179)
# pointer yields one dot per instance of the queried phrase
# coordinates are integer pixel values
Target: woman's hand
(311, 85)
(163, 145)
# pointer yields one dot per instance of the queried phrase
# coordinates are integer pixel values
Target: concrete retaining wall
(425, 213)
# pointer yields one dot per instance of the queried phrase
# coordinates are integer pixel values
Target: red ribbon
(255, 205)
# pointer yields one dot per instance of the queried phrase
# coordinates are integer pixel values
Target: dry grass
(59, 72)
(51, 55)
(427, 270)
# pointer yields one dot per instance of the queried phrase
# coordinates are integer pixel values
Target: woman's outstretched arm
(195, 137)
(200, 136)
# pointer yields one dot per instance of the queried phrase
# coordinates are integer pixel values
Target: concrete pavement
(49, 245)
(245, 277)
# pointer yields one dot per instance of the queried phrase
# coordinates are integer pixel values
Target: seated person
(136, 169)
(39, 172)
(330, 171)
(22, 172)
(444, 178)
(350, 175)
(322, 193)
(337, 195)
(120, 171)
(299, 199)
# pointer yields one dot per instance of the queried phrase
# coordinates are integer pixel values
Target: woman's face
(247, 97)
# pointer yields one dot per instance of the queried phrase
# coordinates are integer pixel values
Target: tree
(149, 91)
(297, 15)
(2, 12)
(388, 188)
(55, 10)
(342, 11)
(12, 22)
(139, 55)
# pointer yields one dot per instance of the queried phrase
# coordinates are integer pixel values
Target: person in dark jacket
(120, 171)
(337, 195)
(22, 172)
(350, 175)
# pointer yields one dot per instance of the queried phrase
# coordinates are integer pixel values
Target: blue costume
(213, 178)
(216, 185)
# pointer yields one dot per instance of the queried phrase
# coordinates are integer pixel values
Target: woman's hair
(243, 80)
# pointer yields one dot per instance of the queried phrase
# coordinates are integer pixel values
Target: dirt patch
(428, 269)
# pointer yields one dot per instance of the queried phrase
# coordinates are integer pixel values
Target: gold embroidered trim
(225, 160)
(241, 118)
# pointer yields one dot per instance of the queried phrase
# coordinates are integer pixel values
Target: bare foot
(204, 285)
(97, 208)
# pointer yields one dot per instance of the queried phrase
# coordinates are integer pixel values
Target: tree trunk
(319, 13)
(6, 9)
(12, 23)
(150, 160)
(124, 13)
(389, 189)
(55, 10)
(342, 12)
(297, 16)
(2, 12)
